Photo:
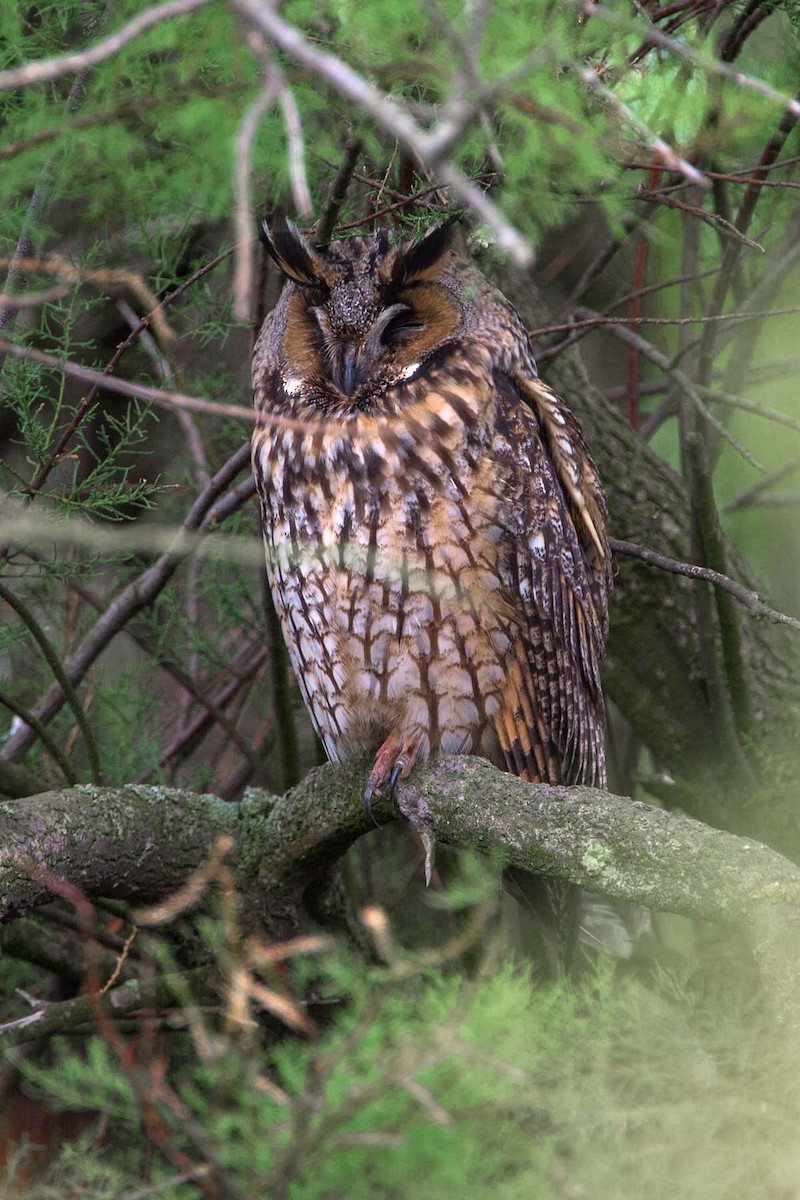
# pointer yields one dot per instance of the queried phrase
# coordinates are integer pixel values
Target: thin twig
(744, 595)
(144, 1193)
(391, 116)
(295, 143)
(717, 318)
(32, 723)
(759, 410)
(52, 68)
(753, 494)
(54, 663)
(669, 157)
(724, 228)
(337, 194)
(703, 62)
(684, 383)
(139, 391)
(243, 205)
(252, 659)
(732, 252)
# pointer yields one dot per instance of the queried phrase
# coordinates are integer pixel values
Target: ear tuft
(421, 259)
(292, 254)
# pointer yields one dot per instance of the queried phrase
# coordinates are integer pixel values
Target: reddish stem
(639, 274)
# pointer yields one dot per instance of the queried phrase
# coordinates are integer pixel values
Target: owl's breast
(383, 541)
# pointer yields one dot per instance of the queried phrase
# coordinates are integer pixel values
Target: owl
(433, 521)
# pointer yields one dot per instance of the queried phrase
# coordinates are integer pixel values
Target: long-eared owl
(434, 524)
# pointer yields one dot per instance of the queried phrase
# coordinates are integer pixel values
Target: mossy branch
(141, 843)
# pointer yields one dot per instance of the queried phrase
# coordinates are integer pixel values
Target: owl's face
(360, 316)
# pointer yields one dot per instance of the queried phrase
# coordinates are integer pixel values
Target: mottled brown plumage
(434, 524)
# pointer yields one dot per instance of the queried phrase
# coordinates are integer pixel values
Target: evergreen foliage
(495, 1085)
(474, 1077)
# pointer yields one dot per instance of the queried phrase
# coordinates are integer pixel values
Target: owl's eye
(400, 326)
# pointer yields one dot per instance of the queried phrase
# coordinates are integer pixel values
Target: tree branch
(428, 146)
(52, 68)
(744, 595)
(146, 841)
(139, 391)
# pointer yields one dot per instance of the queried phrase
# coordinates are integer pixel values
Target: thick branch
(141, 843)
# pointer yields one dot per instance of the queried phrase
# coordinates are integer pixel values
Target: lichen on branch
(141, 843)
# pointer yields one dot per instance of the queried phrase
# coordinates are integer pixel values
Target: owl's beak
(350, 374)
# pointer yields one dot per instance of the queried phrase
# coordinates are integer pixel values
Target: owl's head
(361, 315)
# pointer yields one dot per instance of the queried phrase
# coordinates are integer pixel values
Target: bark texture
(141, 843)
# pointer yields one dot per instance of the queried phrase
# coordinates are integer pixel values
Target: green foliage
(425, 1082)
(152, 136)
(495, 1086)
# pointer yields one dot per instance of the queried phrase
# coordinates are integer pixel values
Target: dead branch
(52, 68)
(428, 146)
(744, 595)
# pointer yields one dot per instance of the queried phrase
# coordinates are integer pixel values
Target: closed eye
(401, 327)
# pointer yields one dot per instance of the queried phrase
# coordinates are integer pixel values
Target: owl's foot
(394, 761)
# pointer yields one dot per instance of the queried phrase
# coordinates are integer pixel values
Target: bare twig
(669, 157)
(759, 410)
(251, 660)
(56, 264)
(787, 499)
(682, 380)
(753, 494)
(391, 116)
(714, 319)
(295, 141)
(52, 68)
(243, 205)
(54, 663)
(732, 251)
(144, 1193)
(139, 391)
(725, 228)
(704, 62)
(744, 595)
(336, 194)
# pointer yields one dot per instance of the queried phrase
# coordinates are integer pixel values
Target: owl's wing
(558, 579)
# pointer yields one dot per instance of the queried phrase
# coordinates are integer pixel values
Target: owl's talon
(397, 771)
(369, 792)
